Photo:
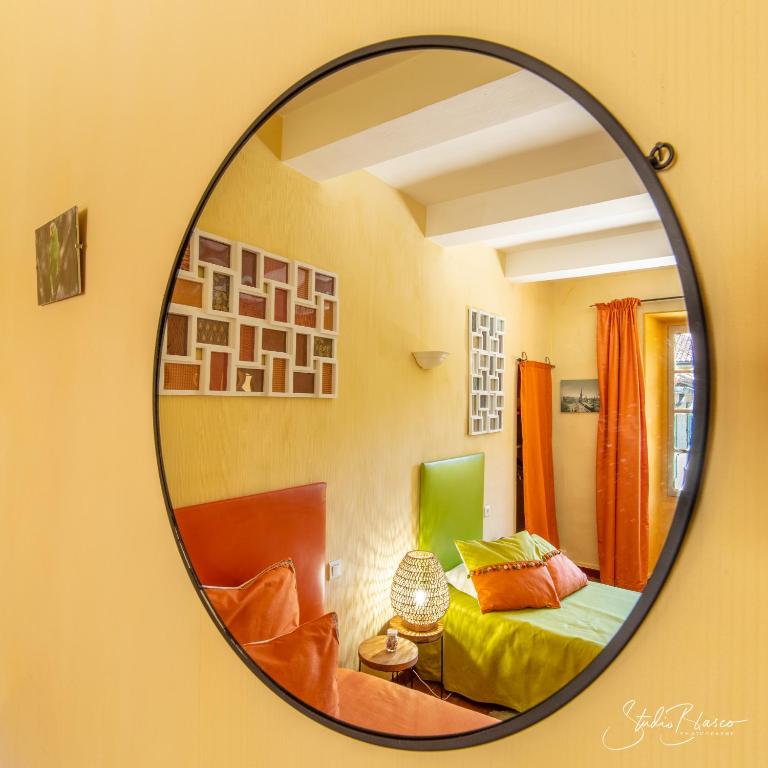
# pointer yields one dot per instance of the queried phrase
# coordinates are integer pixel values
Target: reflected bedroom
(426, 393)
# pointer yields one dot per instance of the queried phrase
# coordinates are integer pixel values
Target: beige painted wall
(398, 293)
(574, 435)
(106, 655)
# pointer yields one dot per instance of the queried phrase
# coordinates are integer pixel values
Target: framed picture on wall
(57, 245)
(579, 396)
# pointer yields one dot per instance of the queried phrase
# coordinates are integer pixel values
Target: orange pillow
(304, 662)
(263, 607)
(508, 574)
(519, 585)
(566, 575)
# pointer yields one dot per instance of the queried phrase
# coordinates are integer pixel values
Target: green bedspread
(519, 658)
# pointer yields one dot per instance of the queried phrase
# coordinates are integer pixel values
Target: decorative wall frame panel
(486, 372)
(246, 322)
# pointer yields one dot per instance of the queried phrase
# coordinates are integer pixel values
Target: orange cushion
(376, 704)
(263, 607)
(510, 588)
(508, 573)
(304, 662)
(566, 575)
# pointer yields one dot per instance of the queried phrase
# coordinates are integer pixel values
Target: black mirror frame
(697, 323)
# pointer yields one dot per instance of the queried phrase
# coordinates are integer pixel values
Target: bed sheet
(519, 658)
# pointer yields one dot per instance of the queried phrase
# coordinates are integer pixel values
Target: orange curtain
(622, 449)
(538, 473)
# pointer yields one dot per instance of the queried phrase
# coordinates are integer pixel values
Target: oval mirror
(431, 392)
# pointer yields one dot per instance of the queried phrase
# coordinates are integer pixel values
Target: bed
(228, 541)
(515, 659)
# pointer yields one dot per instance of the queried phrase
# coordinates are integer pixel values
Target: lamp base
(418, 627)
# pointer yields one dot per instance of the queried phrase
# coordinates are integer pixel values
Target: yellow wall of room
(398, 293)
(106, 655)
(573, 352)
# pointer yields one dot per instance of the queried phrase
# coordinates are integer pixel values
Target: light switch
(486, 510)
(334, 570)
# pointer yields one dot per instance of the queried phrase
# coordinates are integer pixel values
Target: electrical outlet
(486, 510)
(334, 570)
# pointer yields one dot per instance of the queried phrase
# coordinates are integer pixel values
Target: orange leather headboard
(230, 541)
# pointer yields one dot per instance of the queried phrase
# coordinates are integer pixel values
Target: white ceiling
(469, 112)
(512, 163)
(622, 249)
(472, 156)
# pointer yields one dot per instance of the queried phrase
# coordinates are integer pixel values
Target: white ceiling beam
(601, 196)
(558, 138)
(380, 89)
(611, 214)
(496, 102)
(467, 173)
(612, 252)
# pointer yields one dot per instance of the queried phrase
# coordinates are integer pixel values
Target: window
(681, 388)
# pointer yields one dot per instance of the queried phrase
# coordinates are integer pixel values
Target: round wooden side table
(373, 653)
(415, 636)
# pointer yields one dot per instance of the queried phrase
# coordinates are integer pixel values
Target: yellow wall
(574, 435)
(106, 655)
(398, 293)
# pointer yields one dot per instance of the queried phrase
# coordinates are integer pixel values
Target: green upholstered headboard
(451, 505)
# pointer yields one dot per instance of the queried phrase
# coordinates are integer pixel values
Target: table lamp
(420, 591)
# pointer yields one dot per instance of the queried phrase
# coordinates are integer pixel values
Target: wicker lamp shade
(420, 591)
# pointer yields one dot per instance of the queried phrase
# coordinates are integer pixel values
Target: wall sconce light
(427, 360)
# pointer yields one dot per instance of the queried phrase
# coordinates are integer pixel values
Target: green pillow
(479, 554)
(543, 547)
